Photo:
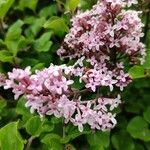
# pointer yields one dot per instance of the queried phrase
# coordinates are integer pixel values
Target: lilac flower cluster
(101, 76)
(106, 30)
(104, 36)
(99, 40)
(49, 93)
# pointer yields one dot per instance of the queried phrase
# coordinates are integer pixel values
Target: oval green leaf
(10, 138)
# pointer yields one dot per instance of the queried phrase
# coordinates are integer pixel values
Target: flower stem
(29, 143)
(147, 23)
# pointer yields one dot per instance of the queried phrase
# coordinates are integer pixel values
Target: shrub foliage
(31, 32)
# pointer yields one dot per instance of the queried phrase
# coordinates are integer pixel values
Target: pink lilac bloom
(79, 121)
(91, 29)
(97, 35)
(18, 80)
(44, 98)
(97, 77)
(66, 107)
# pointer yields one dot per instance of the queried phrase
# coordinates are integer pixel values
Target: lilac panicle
(49, 92)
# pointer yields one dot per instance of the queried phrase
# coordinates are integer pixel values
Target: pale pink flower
(79, 121)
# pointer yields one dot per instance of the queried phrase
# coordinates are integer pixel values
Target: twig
(59, 4)
(29, 143)
(77, 93)
(147, 24)
(1, 26)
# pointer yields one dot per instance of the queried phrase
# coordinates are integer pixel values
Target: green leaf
(15, 45)
(14, 31)
(98, 138)
(46, 57)
(137, 72)
(73, 132)
(139, 147)
(47, 126)
(29, 20)
(55, 120)
(73, 5)
(2, 43)
(34, 126)
(10, 138)
(97, 147)
(48, 11)
(147, 144)
(8, 114)
(3, 104)
(21, 109)
(43, 44)
(39, 66)
(14, 39)
(146, 114)
(58, 25)
(5, 6)
(132, 108)
(138, 128)
(147, 60)
(77, 84)
(29, 62)
(65, 140)
(52, 141)
(31, 4)
(126, 142)
(35, 27)
(87, 4)
(6, 56)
